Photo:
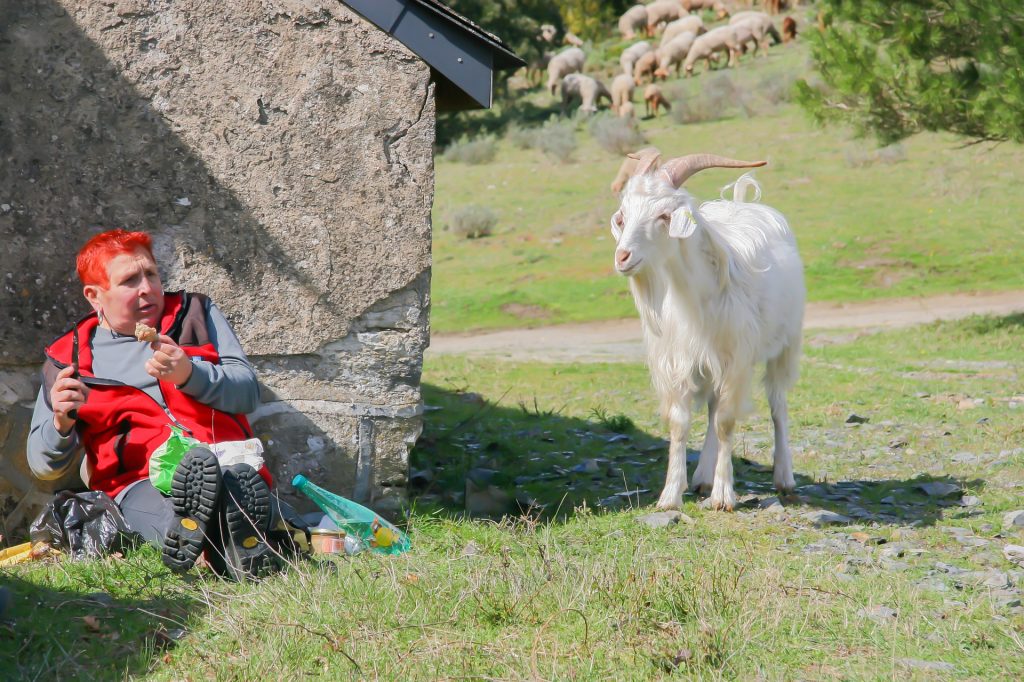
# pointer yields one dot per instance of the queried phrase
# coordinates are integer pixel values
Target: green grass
(584, 591)
(943, 220)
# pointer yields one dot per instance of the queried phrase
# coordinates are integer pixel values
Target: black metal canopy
(462, 56)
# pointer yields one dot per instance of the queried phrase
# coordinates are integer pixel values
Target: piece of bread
(143, 332)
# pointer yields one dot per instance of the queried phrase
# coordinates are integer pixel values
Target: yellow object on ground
(16, 554)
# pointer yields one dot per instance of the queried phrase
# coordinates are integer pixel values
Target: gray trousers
(147, 511)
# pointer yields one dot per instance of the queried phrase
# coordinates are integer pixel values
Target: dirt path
(620, 340)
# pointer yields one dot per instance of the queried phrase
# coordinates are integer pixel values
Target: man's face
(135, 293)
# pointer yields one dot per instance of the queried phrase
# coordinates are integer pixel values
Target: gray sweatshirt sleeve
(230, 386)
(50, 455)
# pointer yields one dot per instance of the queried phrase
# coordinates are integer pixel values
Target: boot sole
(195, 493)
(247, 517)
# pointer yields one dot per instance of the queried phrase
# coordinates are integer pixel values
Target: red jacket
(119, 425)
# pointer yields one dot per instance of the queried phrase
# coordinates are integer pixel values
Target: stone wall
(280, 152)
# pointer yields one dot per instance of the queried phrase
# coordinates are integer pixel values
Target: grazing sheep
(762, 26)
(654, 99)
(632, 21)
(720, 10)
(569, 60)
(622, 91)
(746, 34)
(674, 53)
(589, 91)
(627, 111)
(744, 15)
(691, 23)
(632, 53)
(788, 29)
(630, 164)
(645, 66)
(662, 12)
(719, 289)
(721, 39)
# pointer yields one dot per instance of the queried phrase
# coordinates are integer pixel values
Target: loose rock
(822, 518)
(664, 519)
(938, 489)
(1014, 554)
(918, 664)
(879, 614)
(1013, 520)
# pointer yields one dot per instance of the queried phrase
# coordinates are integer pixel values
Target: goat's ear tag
(682, 224)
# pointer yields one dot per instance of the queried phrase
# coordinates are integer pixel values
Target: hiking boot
(195, 493)
(246, 522)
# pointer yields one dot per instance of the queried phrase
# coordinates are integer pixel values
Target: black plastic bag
(83, 525)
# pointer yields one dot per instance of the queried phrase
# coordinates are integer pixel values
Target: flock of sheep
(684, 41)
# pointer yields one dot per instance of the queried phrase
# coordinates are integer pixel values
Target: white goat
(719, 288)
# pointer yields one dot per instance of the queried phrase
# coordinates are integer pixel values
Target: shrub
(557, 139)
(473, 221)
(777, 88)
(520, 137)
(714, 101)
(616, 135)
(477, 151)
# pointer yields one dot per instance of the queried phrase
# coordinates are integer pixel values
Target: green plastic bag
(165, 458)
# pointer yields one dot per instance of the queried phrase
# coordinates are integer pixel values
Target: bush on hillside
(619, 136)
(718, 97)
(476, 151)
(520, 136)
(777, 88)
(472, 221)
(557, 139)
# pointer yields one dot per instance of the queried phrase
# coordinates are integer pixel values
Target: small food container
(327, 540)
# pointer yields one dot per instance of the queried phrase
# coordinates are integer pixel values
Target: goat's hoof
(716, 505)
(785, 484)
(722, 500)
(701, 488)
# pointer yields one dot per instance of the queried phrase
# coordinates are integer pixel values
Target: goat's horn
(647, 158)
(678, 170)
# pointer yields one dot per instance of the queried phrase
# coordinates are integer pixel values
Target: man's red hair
(101, 249)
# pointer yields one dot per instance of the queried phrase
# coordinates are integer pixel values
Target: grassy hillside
(930, 216)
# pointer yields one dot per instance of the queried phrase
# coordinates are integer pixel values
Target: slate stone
(938, 489)
(1014, 554)
(1013, 520)
(857, 419)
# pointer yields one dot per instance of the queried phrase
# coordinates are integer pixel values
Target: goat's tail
(740, 187)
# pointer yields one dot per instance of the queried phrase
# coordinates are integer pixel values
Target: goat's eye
(665, 218)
